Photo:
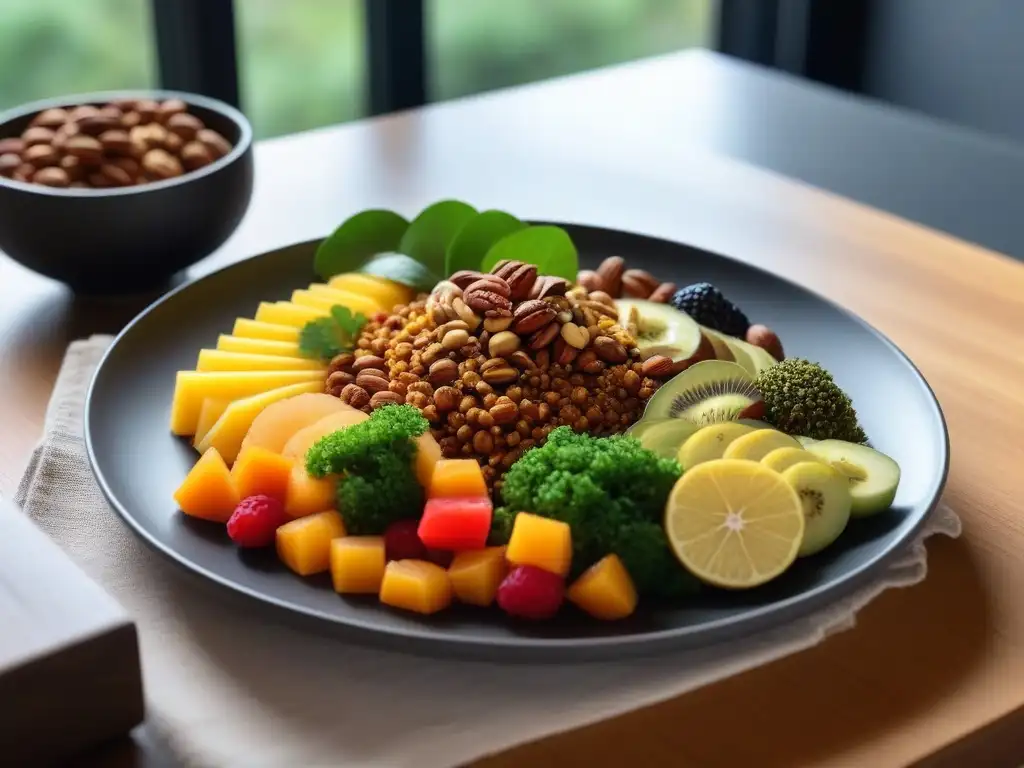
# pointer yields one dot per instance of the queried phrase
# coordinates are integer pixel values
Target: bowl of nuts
(116, 192)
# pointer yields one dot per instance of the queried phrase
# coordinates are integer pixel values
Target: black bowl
(128, 239)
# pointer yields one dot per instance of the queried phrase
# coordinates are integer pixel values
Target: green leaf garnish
(402, 269)
(548, 247)
(357, 239)
(471, 243)
(326, 337)
(430, 233)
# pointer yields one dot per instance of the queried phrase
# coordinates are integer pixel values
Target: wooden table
(931, 675)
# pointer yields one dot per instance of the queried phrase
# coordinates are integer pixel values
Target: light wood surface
(933, 673)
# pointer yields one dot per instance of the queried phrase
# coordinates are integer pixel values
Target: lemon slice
(734, 523)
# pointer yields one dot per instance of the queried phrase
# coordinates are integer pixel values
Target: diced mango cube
(541, 542)
(259, 471)
(456, 477)
(476, 574)
(605, 590)
(308, 495)
(304, 545)
(357, 565)
(208, 491)
(255, 329)
(416, 585)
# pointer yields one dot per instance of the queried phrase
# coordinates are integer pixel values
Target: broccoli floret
(611, 492)
(374, 461)
(801, 398)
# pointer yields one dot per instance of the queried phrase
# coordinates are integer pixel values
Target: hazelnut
(51, 177)
(184, 125)
(86, 148)
(161, 165)
(213, 141)
(195, 155)
(116, 142)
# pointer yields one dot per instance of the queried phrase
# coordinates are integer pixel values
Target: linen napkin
(225, 688)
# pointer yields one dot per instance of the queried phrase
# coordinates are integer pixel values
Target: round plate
(139, 464)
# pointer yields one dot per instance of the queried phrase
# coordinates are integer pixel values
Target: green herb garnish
(326, 337)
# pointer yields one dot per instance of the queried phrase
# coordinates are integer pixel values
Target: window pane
(478, 45)
(301, 63)
(57, 47)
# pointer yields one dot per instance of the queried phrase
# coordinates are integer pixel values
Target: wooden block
(69, 657)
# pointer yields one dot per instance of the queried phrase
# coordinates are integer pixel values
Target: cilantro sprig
(326, 337)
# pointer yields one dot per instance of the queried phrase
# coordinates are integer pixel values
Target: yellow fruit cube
(254, 329)
(192, 387)
(476, 574)
(233, 425)
(259, 471)
(453, 478)
(357, 565)
(211, 410)
(258, 346)
(416, 585)
(541, 542)
(428, 453)
(605, 590)
(354, 303)
(308, 495)
(385, 292)
(304, 545)
(208, 491)
(286, 313)
(219, 360)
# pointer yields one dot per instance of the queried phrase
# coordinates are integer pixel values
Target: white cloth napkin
(226, 688)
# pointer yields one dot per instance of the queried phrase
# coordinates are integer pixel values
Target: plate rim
(428, 640)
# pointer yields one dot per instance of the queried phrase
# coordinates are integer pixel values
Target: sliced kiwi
(664, 437)
(735, 351)
(826, 501)
(710, 442)
(722, 350)
(873, 477)
(782, 459)
(708, 392)
(757, 444)
(761, 358)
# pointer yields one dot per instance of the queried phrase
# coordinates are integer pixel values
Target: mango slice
(304, 545)
(257, 346)
(219, 360)
(233, 425)
(192, 387)
(303, 439)
(208, 491)
(286, 313)
(416, 585)
(605, 590)
(355, 303)
(456, 477)
(476, 574)
(308, 495)
(357, 565)
(254, 329)
(385, 292)
(279, 421)
(211, 410)
(428, 453)
(259, 471)
(540, 542)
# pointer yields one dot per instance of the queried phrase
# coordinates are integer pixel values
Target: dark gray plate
(139, 464)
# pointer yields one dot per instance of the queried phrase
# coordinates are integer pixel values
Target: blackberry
(706, 304)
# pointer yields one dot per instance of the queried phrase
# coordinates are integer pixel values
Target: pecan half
(520, 278)
(465, 277)
(488, 294)
(549, 285)
(544, 336)
(531, 316)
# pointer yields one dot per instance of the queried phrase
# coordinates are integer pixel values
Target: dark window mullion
(195, 44)
(396, 54)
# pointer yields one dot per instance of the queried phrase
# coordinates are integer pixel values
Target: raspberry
(401, 542)
(531, 593)
(255, 520)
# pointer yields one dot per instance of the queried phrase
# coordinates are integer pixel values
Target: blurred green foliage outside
(301, 62)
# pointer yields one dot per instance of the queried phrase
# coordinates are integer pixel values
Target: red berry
(531, 593)
(255, 520)
(402, 542)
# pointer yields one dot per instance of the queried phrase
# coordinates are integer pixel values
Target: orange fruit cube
(605, 590)
(261, 471)
(208, 491)
(476, 574)
(456, 477)
(541, 542)
(416, 585)
(357, 564)
(304, 545)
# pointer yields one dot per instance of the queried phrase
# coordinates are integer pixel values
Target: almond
(610, 271)
(663, 293)
(657, 367)
(764, 337)
(589, 279)
(638, 283)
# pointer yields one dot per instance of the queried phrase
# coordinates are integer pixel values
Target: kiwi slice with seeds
(825, 497)
(708, 392)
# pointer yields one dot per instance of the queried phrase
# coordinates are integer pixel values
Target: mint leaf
(548, 247)
(357, 239)
(347, 322)
(428, 236)
(471, 243)
(402, 269)
(326, 337)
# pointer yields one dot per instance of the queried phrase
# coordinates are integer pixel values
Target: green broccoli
(374, 459)
(801, 398)
(611, 492)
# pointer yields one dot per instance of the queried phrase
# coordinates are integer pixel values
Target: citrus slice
(734, 523)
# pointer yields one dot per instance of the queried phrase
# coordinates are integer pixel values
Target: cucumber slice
(665, 437)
